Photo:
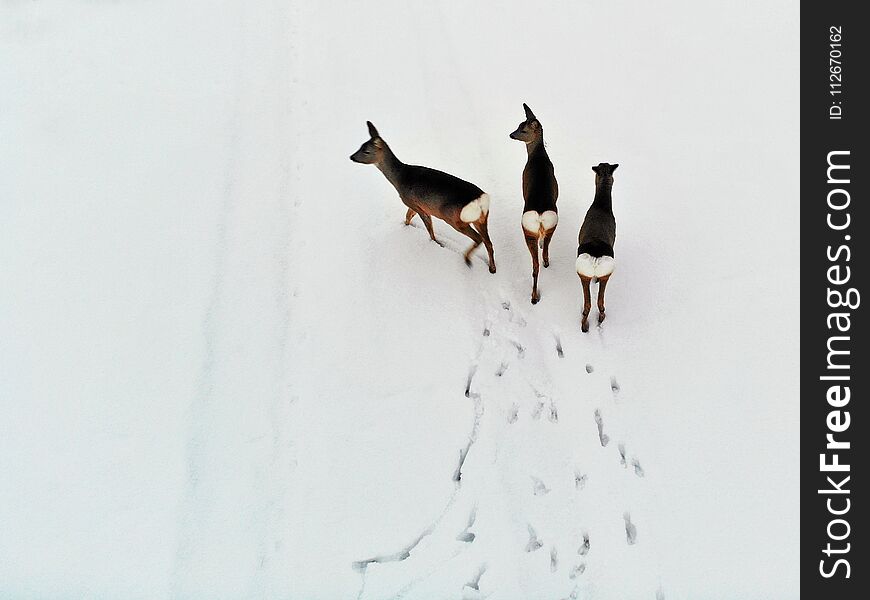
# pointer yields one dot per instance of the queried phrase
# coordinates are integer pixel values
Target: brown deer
(430, 193)
(597, 236)
(540, 191)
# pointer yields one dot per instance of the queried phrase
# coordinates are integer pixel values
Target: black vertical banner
(835, 61)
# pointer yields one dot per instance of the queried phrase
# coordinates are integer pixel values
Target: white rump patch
(531, 221)
(475, 209)
(594, 266)
(537, 223)
(549, 219)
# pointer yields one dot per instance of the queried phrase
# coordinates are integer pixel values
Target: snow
(228, 370)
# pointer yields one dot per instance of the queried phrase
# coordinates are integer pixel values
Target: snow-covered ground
(227, 370)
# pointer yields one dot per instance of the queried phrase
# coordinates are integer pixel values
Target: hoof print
(630, 530)
(583, 550)
(638, 470)
(577, 571)
(599, 421)
(534, 542)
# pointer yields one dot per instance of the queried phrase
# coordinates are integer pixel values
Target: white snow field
(227, 370)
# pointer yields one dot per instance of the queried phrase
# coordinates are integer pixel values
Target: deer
(431, 193)
(595, 242)
(540, 191)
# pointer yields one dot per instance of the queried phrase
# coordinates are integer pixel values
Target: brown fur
(532, 241)
(540, 189)
(477, 231)
(587, 299)
(428, 193)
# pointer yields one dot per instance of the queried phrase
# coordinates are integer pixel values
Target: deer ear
(529, 114)
(372, 131)
(595, 169)
(613, 167)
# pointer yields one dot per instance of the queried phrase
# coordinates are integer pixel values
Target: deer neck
(536, 146)
(603, 198)
(391, 167)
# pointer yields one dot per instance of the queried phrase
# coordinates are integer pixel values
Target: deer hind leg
(532, 243)
(481, 227)
(467, 229)
(548, 234)
(602, 284)
(587, 303)
(409, 215)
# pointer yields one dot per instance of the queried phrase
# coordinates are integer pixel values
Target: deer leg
(532, 243)
(587, 303)
(602, 283)
(484, 233)
(427, 221)
(547, 236)
(409, 215)
(468, 230)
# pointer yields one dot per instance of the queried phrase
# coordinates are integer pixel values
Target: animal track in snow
(602, 437)
(553, 415)
(589, 368)
(403, 554)
(638, 470)
(554, 560)
(514, 414)
(559, 352)
(630, 530)
(583, 550)
(501, 369)
(534, 542)
(513, 317)
(472, 437)
(538, 486)
(660, 595)
(622, 454)
(463, 453)
(474, 584)
(465, 535)
(521, 350)
(577, 570)
(486, 329)
(471, 373)
(579, 480)
(545, 400)
(575, 593)
(614, 385)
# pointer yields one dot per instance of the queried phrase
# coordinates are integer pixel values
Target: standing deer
(427, 192)
(540, 191)
(596, 239)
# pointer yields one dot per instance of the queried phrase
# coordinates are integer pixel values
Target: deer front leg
(587, 303)
(602, 284)
(532, 243)
(409, 215)
(427, 221)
